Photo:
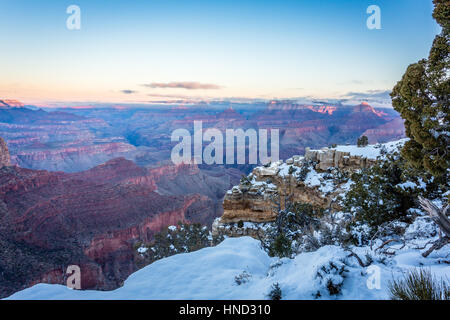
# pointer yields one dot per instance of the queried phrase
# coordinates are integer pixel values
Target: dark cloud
(126, 91)
(183, 85)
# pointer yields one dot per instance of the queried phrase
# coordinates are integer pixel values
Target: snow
(210, 274)
(371, 151)
(142, 250)
(312, 178)
(412, 185)
(284, 170)
(327, 186)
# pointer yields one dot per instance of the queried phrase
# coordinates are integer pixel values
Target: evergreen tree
(422, 99)
(363, 141)
(275, 292)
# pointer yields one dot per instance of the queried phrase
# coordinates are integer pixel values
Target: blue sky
(249, 49)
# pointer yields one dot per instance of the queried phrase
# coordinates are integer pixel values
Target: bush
(244, 277)
(281, 246)
(377, 198)
(374, 198)
(275, 292)
(419, 285)
(288, 228)
(325, 232)
(245, 180)
(292, 170)
(304, 170)
(332, 276)
(362, 141)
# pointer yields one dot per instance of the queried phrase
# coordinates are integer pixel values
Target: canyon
(77, 139)
(84, 185)
(49, 220)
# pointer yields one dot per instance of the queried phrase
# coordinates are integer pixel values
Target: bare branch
(436, 246)
(439, 216)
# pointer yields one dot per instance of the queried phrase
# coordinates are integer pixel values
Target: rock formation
(309, 179)
(327, 158)
(5, 159)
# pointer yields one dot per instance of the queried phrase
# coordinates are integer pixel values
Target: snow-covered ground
(210, 274)
(371, 151)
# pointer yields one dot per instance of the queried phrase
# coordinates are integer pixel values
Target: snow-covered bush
(242, 278)
(304, 170)
(325, 232)
(331, 277)
(373, 198)
(282, 239)
(387, 192)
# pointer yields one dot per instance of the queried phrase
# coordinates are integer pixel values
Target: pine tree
(362, 142)
(275, 292)
(422, 99)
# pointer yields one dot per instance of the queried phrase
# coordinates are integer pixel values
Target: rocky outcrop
(255, 202)
(311, 179)
(326, 158)
(5, 159)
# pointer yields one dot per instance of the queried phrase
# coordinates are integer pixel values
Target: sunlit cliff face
(323, 109)
(11, 103)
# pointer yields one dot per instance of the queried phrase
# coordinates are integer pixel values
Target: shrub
(244, 277)
(362, 141)
(281, 246)
(292, 169)
(332, 276)
(419, 285)
(275, 292)
(245, 180)
(374, 197)
(325, 232)
(282, 236)
(304, 170)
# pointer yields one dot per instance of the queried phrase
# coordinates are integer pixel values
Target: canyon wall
(49, 220)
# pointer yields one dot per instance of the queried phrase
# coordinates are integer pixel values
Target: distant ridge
(365, 107)
(8, 103)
